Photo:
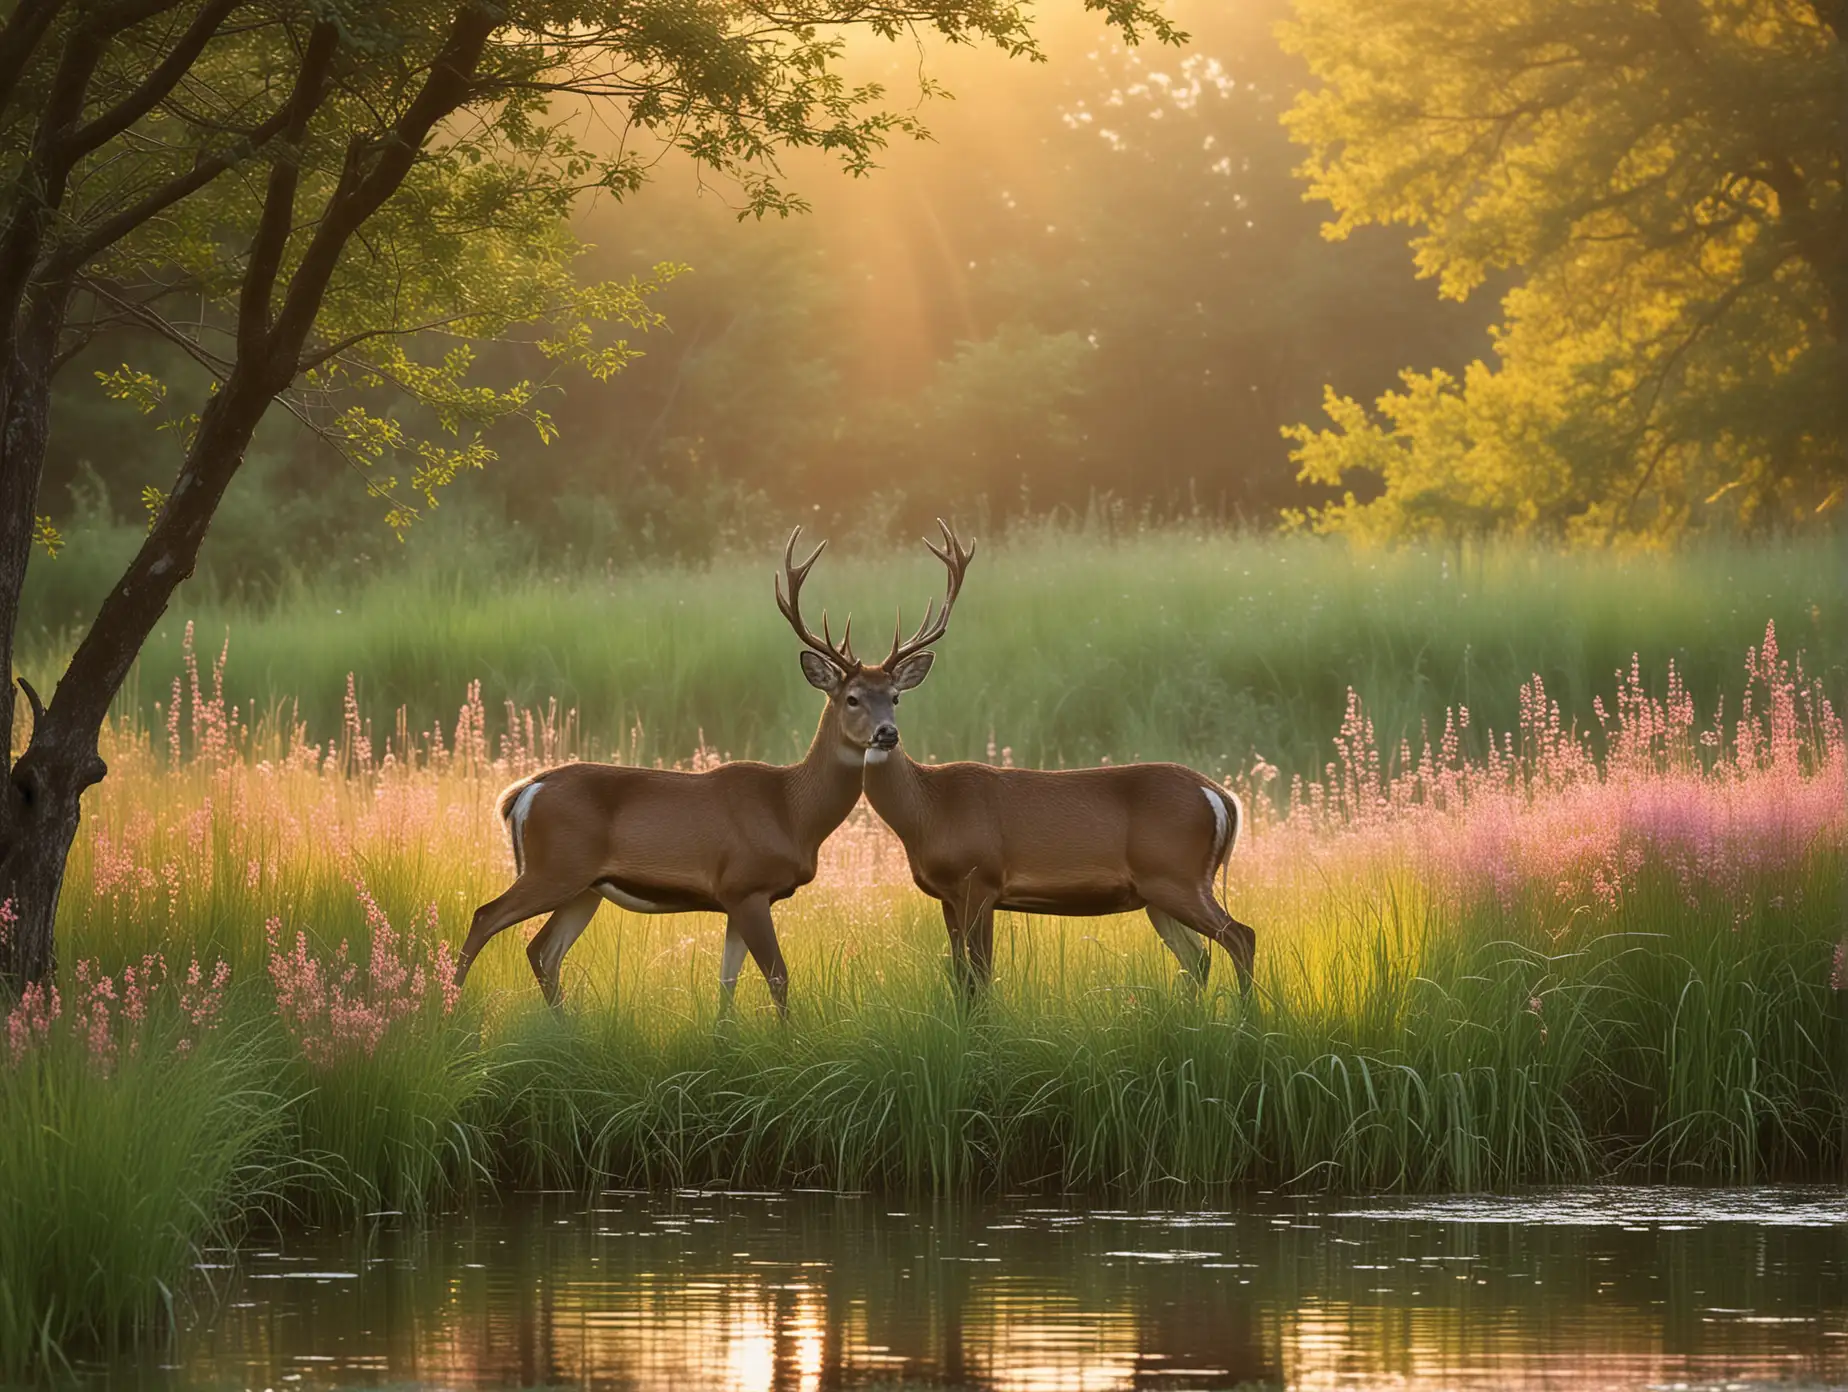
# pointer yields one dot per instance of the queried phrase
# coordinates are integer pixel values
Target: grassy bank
(1208, 647)
(1556, 960)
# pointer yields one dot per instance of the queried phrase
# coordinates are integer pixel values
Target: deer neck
(825, 786)
(895, 788)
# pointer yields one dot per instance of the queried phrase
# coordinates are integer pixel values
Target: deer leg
(981, 945)
(730, 964)
(971, 924)
(1241, 941)
(550, 944)
(1199, 910)
(751, 921)
(959, 948)
(1189, 949)
(525, 898)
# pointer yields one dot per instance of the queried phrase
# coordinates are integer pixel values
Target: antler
(792, 577)
(956, 560)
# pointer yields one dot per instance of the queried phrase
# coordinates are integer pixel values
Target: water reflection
(804, 1292)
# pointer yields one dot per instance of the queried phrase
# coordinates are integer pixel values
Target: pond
(1583, 1288)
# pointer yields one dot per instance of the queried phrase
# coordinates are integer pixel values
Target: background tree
(1098, 290)
(1668, 179)
(283, 192)
(1100, 279)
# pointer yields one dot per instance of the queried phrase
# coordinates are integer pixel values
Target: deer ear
(912, 671)
(822, 674)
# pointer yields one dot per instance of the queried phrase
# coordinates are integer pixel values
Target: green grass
(113, 1184)
(1437, 1009)
(1211, 648)
(1660, 1049)
(1394, 1044)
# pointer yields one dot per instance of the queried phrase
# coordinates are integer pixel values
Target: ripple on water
(1667, 1208)
(1580, 1289)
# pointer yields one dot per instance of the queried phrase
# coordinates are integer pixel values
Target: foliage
(1668, 181)
(839, 364)
(474, 244)
(388, 1035)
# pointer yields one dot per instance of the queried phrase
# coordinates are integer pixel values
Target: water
(799, 1292)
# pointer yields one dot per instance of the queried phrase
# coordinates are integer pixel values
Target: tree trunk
(38, 822)
(25, 428)
(42, 802)
(41, 792)
(40, 807)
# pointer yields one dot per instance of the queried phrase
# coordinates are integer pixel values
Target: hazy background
(1098, 289)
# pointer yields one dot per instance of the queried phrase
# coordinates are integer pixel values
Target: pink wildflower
(96, 994)
(173, 719)
(137, 987)
(354, 732)
(29, 1024)
(202, 1000)
(333, 1010)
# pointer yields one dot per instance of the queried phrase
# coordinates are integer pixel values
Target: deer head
(865, 699)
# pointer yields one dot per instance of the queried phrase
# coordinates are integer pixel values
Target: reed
(1569, 954)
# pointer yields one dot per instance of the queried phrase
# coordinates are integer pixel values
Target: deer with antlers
(733, 839)
(1077, 842)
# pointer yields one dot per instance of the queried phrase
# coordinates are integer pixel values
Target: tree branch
(144, 314)
(84, 337)
(39, 185)
(1706, 320)
(19, 40)
(166, 76)
(128, 614)
(104, 235)
(278, 218)
(37, 192)
(322, 356)
(360, 194)
(338, 445)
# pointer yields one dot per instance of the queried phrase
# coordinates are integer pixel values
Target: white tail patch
(516, 822)
(1228, 821)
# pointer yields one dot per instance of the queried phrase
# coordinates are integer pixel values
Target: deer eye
(853, 700)
(895, 700)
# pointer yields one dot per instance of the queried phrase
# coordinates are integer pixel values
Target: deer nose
(886, 736)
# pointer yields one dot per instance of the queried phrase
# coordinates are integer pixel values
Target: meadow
(1585, 924)
(1070, 645)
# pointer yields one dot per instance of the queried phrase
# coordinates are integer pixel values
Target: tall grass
(121, 1159)
(1558, 958)
(1212, 648)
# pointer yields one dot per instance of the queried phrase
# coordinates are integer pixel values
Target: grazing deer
(1079, 842)
(733, 840)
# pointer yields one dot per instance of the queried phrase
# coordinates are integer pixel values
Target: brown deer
(733, 839)
(1078, 842)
